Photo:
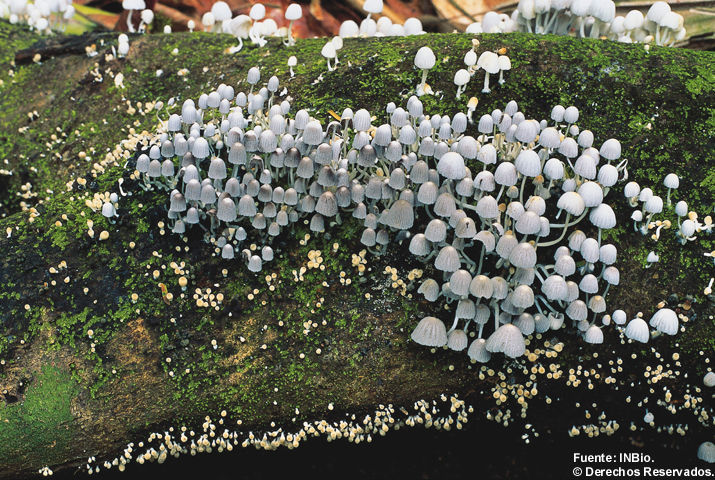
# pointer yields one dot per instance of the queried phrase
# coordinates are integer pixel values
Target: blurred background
(323, 17)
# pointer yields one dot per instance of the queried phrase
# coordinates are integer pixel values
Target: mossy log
(68, 395)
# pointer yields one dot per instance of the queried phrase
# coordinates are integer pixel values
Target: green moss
(42, 422)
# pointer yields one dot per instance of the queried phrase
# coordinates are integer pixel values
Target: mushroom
(671, 182)
(292, 13)
(292, 62)
(329, 52)
(461, 78)
(132, 5)
(372, 6)
(424, 60)
(504, 65)
(221, 13)
(147, 16)
(489, 62)
(240, 27)
(430, 332)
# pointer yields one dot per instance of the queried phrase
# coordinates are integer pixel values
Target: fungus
(424, 60)
(706, 450)
(430, 332)
(372, 7)
(293, 12)
(637, 330)
(593, 335)
(665, 320)
(478, 351)
(504, 64)
(508, 340)
(489, 62)
(130, 6)
(328, 52)
(461, 78)
(457, 340)
(671, 182)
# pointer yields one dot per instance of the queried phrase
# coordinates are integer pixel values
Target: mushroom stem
(501, 77)
(421, 86)
(130, 27)
(291, 40)
(563, 232)
(486, 83)
(455, 323)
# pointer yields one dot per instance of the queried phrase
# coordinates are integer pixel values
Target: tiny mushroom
(424, 60)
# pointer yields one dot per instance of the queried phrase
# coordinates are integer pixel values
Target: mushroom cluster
(382, 27)
(486, 232)
(39, 14)
(651, 205)
(236, 165)
(587, 18)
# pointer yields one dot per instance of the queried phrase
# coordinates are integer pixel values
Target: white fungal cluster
(485, 230)
(254, 26)
(382, 27)
(40, 15)
(491, 62)
(216, 436)
(239, 167)
(587, 18)
(650, 205)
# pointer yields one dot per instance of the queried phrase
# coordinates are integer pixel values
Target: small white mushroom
(424, 60)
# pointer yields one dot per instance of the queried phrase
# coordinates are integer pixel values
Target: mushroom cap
(638, 330)
(671, 181)
(470, 58)
(489, 61)
(610, 149)
(593, 335)
(633, 19)
(221, 11)
(478, 351)
(554, 287)
(430, 332)
(528, 163)
(619, 317)
(504, 62)
(133, 4)
(448, 259)
(603, 216)
(258, 11)
(665, 320)
(657, 11)
(706, 450)
(451, 166)
(523, 255)
(430, 290)
(572, 202)
(457, 340)
(349, 29)
(508, 340)
(461, 77)
(328, 50)
(373, 6)
(293, 12)
(424, 58)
